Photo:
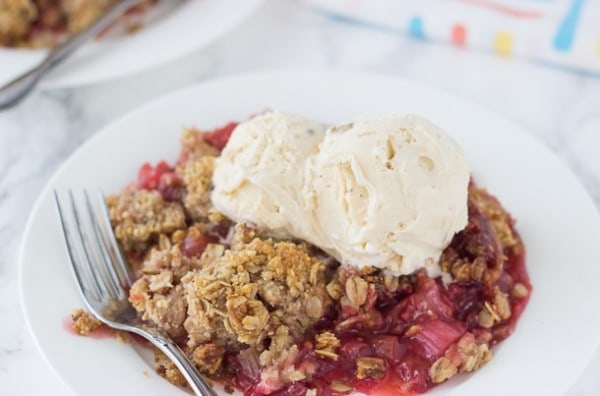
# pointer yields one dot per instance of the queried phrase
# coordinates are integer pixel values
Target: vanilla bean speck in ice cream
(388, 192)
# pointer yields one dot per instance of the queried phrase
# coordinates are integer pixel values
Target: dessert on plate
(289, 257)
(42, 23)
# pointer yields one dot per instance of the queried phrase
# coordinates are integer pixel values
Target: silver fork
(101, 276)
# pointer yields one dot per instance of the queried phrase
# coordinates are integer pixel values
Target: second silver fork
(102, 278)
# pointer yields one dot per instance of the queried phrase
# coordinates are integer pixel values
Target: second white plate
(183, 28)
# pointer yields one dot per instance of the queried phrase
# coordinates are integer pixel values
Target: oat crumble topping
(141, 216)
(83, 323)
(43, 23)
(167, 369)
(370, 367)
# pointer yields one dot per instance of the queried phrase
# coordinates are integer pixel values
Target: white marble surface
(560, 109)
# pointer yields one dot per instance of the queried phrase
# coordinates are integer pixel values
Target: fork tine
(122, 269)
(87, 249)
(113, 284)
(81, 275)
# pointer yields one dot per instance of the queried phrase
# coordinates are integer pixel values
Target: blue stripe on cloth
(415, 27)
(563, 41)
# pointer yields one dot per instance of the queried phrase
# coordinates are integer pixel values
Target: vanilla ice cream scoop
(386, 192)
(260, 173)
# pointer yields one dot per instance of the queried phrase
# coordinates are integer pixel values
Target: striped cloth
(563, 33)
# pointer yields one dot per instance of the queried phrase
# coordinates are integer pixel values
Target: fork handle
(187, 369)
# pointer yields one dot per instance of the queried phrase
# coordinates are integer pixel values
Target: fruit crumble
(42, 23)
(269, 315)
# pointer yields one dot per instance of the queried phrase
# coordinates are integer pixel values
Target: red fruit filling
(194, 244)
(162, 178)
(219, 137)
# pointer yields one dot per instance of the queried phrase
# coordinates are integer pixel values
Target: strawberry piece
(149, 176)
(194, 244)
(219, 137)
(163, 179)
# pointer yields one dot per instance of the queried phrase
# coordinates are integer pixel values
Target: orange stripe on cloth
(496, 6)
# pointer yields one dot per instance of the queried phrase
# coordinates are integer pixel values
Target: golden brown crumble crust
(208, 357)
(18, 18)
(467, 355)
(167, 369)
(140, 216)
(15, 18)
(370, 367)
(83, 323)
(326, 344)
(257, 290)
(197, 177)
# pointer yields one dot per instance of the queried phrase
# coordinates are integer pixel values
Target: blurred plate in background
(174, 29)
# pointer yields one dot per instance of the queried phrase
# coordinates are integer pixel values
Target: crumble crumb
(341, 387)
(485, 319)
(79, 14)
(370, 367)
(168, 254)
(84, 323)
(392, 283)
(15, 19)
(122, 336)
(412, 330)
(242, 235)
(501, 303)
(486, 254)
(472, 353)
(335, 290)
(140, 216)
(356, 291)
(520, 291)
(167, 369)
(466, 355)
(87, 12)
(499, 218)
(197, 176)
(164, 305)
(327, 340)
(326, 344)
(216, 217)
(442, 370)
(194, 146)
(208, 358)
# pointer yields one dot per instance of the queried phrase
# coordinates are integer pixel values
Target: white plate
(556, 335)
(182, 27)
